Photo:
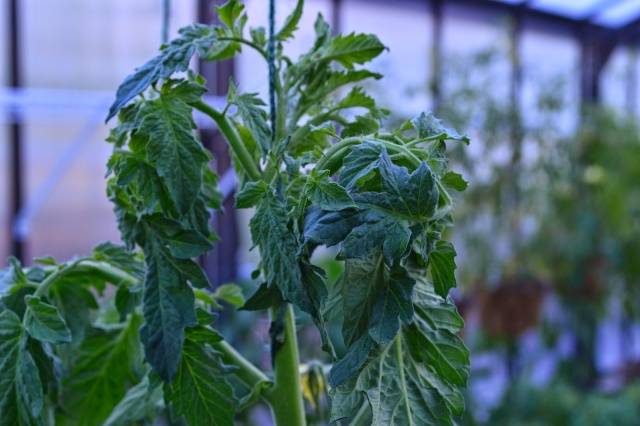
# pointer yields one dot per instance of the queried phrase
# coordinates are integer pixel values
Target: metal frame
(596, 41)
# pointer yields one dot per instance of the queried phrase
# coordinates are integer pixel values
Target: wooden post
(221, 264)
(435, 84)
(15, 166)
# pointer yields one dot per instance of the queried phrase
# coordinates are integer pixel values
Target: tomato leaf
(106, 363)
(200, 391)
(173, 57)
(21, 394)
(44, 322)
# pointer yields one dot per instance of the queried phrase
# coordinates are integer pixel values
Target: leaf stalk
(233, 139)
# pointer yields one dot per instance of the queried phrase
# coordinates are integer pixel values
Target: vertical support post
(15, 168)
(595, 52)
(166, 20)
(435, 83)
(336, 16)
(515, 92)
(221, 264)
(632, 80)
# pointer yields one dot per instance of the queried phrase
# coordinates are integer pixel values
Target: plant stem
(362, 416)
(285, 397)
(338, 147)
(281, 116)
(338, 150)
(44, 286)
(111, 273)
(247, 42)
(235, 143)
(248, 373)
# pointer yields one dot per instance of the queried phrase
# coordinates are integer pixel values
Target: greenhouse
(320, 212)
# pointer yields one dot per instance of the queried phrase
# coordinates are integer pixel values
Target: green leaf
(251, 111)
(291, 23)
(13, 276)
(353, 49)
(356, 98)
(144, 186)
(362, 125)
(107, 362)
(393, 305)
(359, 164)
(250, 194)
(44, 323)
(418, 377)
(21, 396)
(200, 391)
(427, 126)
(172, 147)
(278, 246)
(258, 36)
(183, 243)
(13, 296)
(127, 300)
(119, 257)
(192, 272)
(210, 193)
(327, 194)
(46, 260)
(375, 231)
(334, 80)
(230, 293)
(229, 12)
(455, 181)
(174, 57)
(168, 307)
(443, 266)
(329, 227)
(385, 216)
(142, 402)
(263, 298)
(412, 196)
(375, 299)
(74, 302)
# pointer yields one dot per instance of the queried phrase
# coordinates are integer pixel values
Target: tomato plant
(127, 334)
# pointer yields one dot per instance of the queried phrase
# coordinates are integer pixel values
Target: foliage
(325, 173)
(513, 147)
(560, 404)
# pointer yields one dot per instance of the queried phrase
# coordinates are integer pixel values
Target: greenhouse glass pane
(573, 9)
(619, 14)
(510, 1)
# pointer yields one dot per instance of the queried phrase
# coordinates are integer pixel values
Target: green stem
(281, 116)
(338, 151)
(362, 416)
(235, 143)
(335, 148)
(285, 397)
(52, 278)
(112, 274)
(247, 42)
(248, 373)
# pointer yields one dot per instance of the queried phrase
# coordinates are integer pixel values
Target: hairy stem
(285, 397)
(248, 373)
(111, 273)
(234, 141)
(362, 416)
(338, 151)
(249, 43)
